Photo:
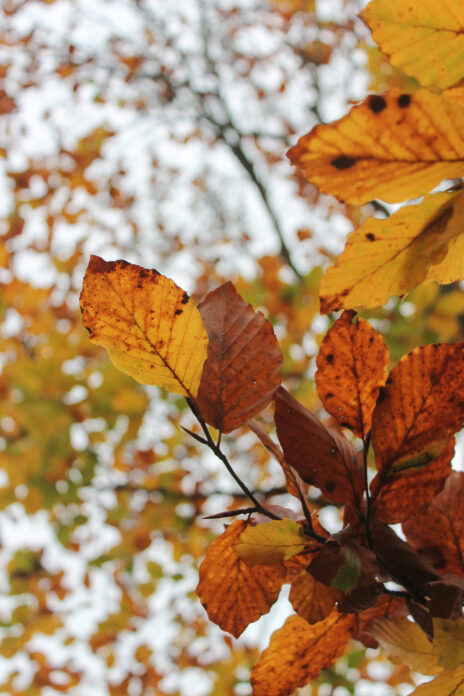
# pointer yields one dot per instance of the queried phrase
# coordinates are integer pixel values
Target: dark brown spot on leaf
(329, 395)
(330, 358)
(185, 298)
(404, 100)
(376, 104)
(370, 237)
(330, 486)
(343, 162)
(178, 311)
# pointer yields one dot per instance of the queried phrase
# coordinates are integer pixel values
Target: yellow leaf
(149, 326)
(405, 643)
(389, 257)
(394, 147)
(448, 683)
(448, 642)
(425, 39)
(271, 542)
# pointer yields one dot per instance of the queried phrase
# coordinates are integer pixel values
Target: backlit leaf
(417, 410)
(244, 361)
(406, 493)
(395, 146)
(351, 368)
(405, 643)
(148, 325)
(311, 599)
(448, 683)
(448, 642)
(323, 458)
(233, 594)
(271, 542)
(423, 39)
(298, 652)
(419, 243)
(441, 527)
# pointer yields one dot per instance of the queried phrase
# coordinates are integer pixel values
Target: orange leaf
(234, 594)
(149, 326)
(440, 530)
(244, 360)
(311, 599)
(417, 409)
(405, 494)
(395, 146)
(298, 652)
(323, 458)
(351, 368)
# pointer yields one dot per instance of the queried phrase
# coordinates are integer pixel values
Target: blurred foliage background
(157, 132)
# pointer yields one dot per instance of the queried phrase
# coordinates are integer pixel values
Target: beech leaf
(448, 642)
(149, 326)
(385, 257)
(448, 683)
(244, 360)
(271, 542)
(351, 368)
(424, 40)
(417, 411)
(393, 146)
(405, 643)
(298, 652)
(233, 594)
(311, 599)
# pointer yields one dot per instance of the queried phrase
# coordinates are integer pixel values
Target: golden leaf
(448, 683)
(448, 642)
(395, 146)
(424, 39)
(271, 542)
(149, 326)
(405, 643)
(233, 594)
(419, 243)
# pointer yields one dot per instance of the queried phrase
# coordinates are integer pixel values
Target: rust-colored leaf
(323, 458)
(149, 326)
(406, 493)
(298, 652)
(351, 368)
(393, 146)
(311, 599)
(244, 360)
(386, 605)
(420, 407)
(439, 531)
(233, 594)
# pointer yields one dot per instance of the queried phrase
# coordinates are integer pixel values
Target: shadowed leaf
(323, 458)
(417, 410)
(351, 368)
(148, 325)
(298, 652)
(423, 39)
(405, 643)
(233, 594)
(244, 360)
(395, 146)
(448, 642)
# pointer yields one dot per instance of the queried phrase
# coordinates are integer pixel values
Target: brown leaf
(233, 594)
(393, 146)
(298, 652)
(311, 599)
(323, 458)
(242, 370)
(441, 527)
(351, 368)
(406, 493)
(417, 409)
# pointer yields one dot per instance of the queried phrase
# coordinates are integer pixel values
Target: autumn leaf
(351, 368)
(298, 652)
(448, 683)
(149, 326)
(312, 600)
(244, 361)
(417, 410)
(271, 542)
(423, 39)
(323, 458)
(394, 147)
(405, 643)
(406, 493)
(233, 594)
(386, 257)
(448, 642)
(441, 527)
